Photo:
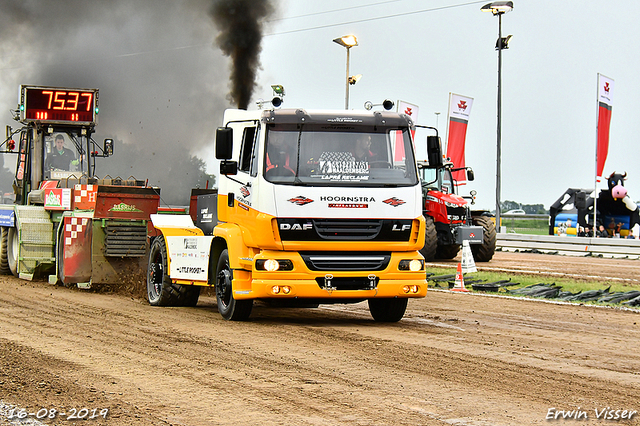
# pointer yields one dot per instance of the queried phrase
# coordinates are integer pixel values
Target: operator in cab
(61, 158)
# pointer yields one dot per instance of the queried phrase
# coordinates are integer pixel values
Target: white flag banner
(410, 109)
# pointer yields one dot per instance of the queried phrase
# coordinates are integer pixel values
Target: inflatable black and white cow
(614, 205)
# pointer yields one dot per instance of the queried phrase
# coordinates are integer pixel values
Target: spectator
(602, 233)
(631, 236)
(587, 232)
(581, 232)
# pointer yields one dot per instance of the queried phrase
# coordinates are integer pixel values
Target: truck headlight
(413, 265)
(272, 265)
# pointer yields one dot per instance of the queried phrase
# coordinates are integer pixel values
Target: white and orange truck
(312, 207)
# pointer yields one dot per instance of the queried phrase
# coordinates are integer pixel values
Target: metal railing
(568, 245)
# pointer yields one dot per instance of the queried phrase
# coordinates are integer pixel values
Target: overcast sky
(549, 79)
(163, 80)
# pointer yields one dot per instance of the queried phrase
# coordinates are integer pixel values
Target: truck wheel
(447, 252)
(4, 262)
(484, 252)
(230, 308)
(430, 240)
(13, 244)
(160, 290)
(387, 310)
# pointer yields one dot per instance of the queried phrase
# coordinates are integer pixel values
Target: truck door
(247, 172)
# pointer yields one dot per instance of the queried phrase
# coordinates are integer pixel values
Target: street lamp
(347, 41)
(499, 8)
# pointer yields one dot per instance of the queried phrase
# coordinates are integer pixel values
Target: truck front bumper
(299, 281)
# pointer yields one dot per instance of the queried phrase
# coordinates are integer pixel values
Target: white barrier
(570, 246)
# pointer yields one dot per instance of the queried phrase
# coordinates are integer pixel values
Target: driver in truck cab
(279, 161)
(61, 158)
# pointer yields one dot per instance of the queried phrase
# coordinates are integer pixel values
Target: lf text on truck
(66, 222)
(312, 207)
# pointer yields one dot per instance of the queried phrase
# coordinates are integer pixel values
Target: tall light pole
(347, 41)
(499, 8)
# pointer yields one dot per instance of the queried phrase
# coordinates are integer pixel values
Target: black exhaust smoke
(240, 23)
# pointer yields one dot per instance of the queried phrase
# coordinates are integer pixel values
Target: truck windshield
(339, 156)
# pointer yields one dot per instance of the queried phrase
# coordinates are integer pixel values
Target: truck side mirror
(228, 167)
(470, 175)
(108, 147)
(434, 151)
(224, 143)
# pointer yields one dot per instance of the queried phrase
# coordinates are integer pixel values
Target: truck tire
(4, 261)
(387, 310)
(160, 290)
(230, 308)
(484, 252)
(430, 240)
(13, 245)
(447, 252)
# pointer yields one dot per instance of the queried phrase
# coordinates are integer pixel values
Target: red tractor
(449, 217)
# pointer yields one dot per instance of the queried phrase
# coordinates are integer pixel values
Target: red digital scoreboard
(58, 105)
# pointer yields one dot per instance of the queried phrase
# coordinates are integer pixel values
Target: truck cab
(312, 207)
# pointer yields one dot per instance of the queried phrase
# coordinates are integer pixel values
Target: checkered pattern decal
(74, 226)
(84, 196)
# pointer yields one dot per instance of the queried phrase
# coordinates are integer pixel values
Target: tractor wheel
(430, 240)
(230, 308)
(447, 252)
(13, 245)
(4, 262)
(387, 310)
(160, 290)
(484, 252)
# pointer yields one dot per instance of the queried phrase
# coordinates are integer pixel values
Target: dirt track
(455, 359)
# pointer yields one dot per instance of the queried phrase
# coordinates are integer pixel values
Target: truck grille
(347, 229)
(369, 261)
(125, 239)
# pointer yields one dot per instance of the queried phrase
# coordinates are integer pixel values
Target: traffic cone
(459, 284)
(468, 264)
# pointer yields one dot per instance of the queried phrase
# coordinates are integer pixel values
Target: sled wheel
(13, 245)
(230, 308)
(4, 262)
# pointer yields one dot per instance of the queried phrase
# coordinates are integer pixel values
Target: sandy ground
(455, 359)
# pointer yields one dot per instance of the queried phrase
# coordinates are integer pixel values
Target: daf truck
(312, 207)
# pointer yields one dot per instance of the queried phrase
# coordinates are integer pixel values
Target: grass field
(574, 286)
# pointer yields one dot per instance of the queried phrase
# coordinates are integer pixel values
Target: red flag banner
(412, 111)
(459, 110)
(605, 92)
